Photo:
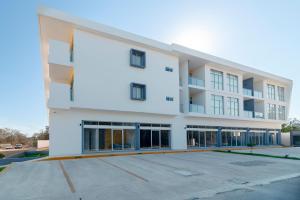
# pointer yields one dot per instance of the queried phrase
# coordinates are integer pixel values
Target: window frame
(143, 58)
(217, 79)
(217, 104)
(233, 106)
(280, 92)
(233, 83)
(281, 112)
(143, 91)
(271, 91)
(271, 111)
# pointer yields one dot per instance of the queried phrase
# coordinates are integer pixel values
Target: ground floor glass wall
(118, 138)
(154, 139)
(201, 138)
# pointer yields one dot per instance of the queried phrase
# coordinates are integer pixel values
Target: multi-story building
(110, 90)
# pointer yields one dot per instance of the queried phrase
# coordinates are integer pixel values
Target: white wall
(103, 75)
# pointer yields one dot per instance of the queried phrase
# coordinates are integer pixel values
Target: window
(233, 106)
(216, 79)
(271, 91)
(281, 113)
(169, 98)
(280, 93)
(232, 83)
(72, 90)
(271, 110)
(217, 104)
(138, 91)
(137, 58)
(169, 69)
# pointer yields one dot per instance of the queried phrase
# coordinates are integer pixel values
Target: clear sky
(262, 34)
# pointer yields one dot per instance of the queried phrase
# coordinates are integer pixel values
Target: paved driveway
(160, 176)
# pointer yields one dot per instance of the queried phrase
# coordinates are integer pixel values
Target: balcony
(196, 82)
(196, 108)
(59, 96)
(59, 60)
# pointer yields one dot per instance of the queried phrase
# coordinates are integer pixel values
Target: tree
(293, 125)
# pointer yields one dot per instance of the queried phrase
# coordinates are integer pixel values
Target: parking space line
(157, 163)
(67, 177)
(124, 170)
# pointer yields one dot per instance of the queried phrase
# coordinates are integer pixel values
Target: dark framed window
(137, 58)
(169, 69)
(169, 98)
(138, 91)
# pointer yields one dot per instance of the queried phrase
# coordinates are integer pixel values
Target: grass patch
(33, 155)
(258, 154)
(2, 168)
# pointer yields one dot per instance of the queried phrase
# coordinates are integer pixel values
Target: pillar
(137, 136)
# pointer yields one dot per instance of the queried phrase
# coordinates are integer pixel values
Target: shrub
(2, 155)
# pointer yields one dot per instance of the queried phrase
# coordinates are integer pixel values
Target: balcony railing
(196, 108)
(258, 94)
(247, 92)
(248, 114)
(258, 115)
(196, 82)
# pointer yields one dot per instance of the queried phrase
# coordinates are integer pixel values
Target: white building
(110, 90)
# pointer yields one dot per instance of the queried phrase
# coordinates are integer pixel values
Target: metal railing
(248, 114)
(247, 92)
(195, 81)
(196, 108)
(258, 94)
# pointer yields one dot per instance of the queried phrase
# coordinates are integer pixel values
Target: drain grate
(252, 163)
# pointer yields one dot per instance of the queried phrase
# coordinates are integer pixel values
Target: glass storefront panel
(202, 139)
(155, 139)
(89, 139)
(193, 138)
(117, 140)
(129, 138)
(211, 139)
(145, 138)
(105, 139)
(165, 138)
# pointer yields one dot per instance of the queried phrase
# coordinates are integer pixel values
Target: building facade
(110, 90)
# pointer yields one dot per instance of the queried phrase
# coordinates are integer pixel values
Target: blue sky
(262, 34)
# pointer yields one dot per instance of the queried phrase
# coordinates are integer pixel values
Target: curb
(100, 155)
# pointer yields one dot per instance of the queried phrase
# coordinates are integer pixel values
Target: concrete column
(137, 136)
(97, 139)
(184, 71)
(247, 136)
(278, 137)
(219, 137)
(267, 137)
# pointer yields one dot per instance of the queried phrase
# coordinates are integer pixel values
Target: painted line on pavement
(67, 177)
(124, 170)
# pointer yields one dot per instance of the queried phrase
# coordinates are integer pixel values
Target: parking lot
(154, 176)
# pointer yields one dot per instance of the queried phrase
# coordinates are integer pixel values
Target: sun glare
(201, 40)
